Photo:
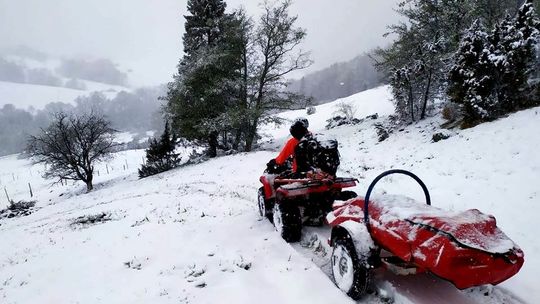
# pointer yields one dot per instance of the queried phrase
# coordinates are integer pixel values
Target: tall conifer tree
(196, 96)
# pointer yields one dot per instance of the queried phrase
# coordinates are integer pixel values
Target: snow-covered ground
(26, 95)
(375, 101)
(193, 235)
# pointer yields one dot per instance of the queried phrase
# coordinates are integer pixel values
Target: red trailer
(466, 248)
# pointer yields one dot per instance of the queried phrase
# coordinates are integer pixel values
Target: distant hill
(339, 80)
(27, 82)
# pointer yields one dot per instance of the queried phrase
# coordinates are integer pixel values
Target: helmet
(303, 121)
(299, 128)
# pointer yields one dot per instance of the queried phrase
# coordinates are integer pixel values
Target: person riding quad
(298, 130)
(312, 159)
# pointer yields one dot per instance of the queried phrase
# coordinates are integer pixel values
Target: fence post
(7, 195)
(31, 193)
(107, 167)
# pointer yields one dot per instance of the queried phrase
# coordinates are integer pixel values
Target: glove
(271, 166)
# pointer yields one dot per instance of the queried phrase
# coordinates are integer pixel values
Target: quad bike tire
(265, 206)
(350, 272)
(288, 221)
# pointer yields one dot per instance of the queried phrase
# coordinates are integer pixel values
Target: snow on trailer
(466, 248)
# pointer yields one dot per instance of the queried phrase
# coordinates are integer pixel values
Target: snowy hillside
(193, 235)
(23, 95)
(54, 87)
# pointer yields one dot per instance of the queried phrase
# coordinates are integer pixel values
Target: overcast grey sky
(145, 35)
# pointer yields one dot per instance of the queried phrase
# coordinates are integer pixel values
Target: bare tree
(275, 54)
(71, 145)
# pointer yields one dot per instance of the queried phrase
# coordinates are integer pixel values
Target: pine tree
(198, 95)
(492, 73)
(519, 44)
(473, 76)
(402, 89)
(204, 25)
(160, 155)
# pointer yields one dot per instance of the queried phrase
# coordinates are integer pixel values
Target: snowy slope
(24, 95)
(192, 235)
(375, 101)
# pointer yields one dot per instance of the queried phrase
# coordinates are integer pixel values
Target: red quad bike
(290, 203)
(397, 233)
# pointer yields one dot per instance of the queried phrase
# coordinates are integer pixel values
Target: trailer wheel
(350, 274)
(288, 221)
(265, 206)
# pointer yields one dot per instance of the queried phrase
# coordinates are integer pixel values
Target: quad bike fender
(268, 184)
(363, 243)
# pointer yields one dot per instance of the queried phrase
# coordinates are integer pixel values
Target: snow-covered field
(23, 95)
(193, 235)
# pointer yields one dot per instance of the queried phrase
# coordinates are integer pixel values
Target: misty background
(117, 56)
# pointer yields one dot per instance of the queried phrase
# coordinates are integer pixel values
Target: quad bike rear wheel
(288, 221)
(350, 272)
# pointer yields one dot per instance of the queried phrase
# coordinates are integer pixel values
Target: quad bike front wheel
(288, 222)
(350, 274)
(265, 206)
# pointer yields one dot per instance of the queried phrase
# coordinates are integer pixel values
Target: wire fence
(21, 183)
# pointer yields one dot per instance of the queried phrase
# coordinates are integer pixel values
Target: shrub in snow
(440, 136)
(18, 209)
(311, 110)
(346, 110)
(337, 121)
(93, 219)
(344, 115)
(382, 132)
(135, 264)
(373, 116)
(160, 156)
(450, 111)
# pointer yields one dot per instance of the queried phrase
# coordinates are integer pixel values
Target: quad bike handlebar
(386, 173)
